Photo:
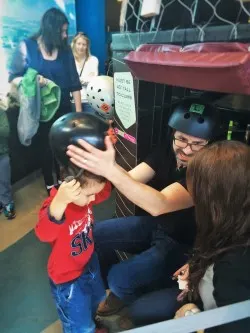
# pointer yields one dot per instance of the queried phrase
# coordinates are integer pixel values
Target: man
(163, 238)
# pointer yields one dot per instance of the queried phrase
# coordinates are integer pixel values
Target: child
(65, 221)
(6, 200)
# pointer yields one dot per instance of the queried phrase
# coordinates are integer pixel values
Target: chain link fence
(185, 14)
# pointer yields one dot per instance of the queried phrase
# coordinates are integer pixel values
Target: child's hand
(68, 192)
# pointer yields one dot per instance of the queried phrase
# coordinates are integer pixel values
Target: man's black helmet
(194, 117)
(71, 127)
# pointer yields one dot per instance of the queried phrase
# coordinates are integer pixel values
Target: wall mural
(20, 19)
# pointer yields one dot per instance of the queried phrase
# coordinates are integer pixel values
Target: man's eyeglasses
(194, 146)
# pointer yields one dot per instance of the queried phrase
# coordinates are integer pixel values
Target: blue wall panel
(91, 19)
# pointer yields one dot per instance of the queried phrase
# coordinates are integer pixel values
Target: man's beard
(182, 163)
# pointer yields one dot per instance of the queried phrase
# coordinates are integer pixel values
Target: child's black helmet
(71, 127)
(194, 117)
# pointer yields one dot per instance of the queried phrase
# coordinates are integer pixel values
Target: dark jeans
(77, 300)
(156, 255)
(154, 307)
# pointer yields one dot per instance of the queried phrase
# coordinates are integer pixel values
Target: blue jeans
(156, 255)
(77, 301)
(5, 180)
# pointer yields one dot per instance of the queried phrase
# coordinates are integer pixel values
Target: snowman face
(100, 96)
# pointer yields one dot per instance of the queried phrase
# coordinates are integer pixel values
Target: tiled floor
(26, 305)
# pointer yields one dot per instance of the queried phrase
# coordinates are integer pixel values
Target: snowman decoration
(100, 95)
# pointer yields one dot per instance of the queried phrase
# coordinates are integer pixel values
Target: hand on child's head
(69, 191)
(70, 181)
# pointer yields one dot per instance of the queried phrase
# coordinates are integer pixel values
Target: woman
(86, 64)
(49, 54)
(218, 273)
(218, 179)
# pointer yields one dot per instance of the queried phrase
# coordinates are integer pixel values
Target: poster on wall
(124, 98)
(20, 19)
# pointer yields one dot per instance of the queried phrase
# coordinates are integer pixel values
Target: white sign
(125, 98)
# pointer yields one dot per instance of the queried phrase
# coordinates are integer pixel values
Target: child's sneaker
(9, 211)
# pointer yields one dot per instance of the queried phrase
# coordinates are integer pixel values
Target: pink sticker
(125, 135)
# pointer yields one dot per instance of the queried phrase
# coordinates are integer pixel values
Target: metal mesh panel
(178, 14)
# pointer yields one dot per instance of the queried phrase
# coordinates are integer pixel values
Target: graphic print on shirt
(81, 240)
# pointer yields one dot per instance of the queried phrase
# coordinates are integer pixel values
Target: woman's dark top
(62, 71)
(228, 283)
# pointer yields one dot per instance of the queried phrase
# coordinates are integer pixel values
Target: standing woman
(49, 54)
(86, 64)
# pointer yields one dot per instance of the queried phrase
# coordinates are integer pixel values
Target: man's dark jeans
(156, 255)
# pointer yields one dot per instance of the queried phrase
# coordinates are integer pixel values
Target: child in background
(65, 221)
(6, 199)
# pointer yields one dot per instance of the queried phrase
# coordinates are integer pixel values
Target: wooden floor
(28, 201)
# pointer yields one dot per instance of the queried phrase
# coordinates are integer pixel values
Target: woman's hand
(42, 81)
(92, 159)
(182, 273)
(83, 82)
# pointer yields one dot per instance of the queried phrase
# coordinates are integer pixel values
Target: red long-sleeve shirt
(71, 238)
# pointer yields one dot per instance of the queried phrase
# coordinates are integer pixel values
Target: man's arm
(172, 198)
(142, 173)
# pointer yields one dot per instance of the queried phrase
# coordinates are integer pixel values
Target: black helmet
(195, 117)
(71, 127)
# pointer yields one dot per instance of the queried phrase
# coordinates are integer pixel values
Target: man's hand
(92, 159)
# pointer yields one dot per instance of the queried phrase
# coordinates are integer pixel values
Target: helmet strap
(76, 177)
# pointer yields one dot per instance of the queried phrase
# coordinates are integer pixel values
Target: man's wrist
(113, 173)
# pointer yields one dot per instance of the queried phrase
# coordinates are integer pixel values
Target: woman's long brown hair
(218, 178)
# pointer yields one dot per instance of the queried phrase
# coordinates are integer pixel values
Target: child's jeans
(5, 180)
(77, 300)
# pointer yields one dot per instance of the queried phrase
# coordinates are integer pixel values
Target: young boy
(66, 221)
(6, 200)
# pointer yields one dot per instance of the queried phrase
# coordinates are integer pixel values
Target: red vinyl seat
(222, 67)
